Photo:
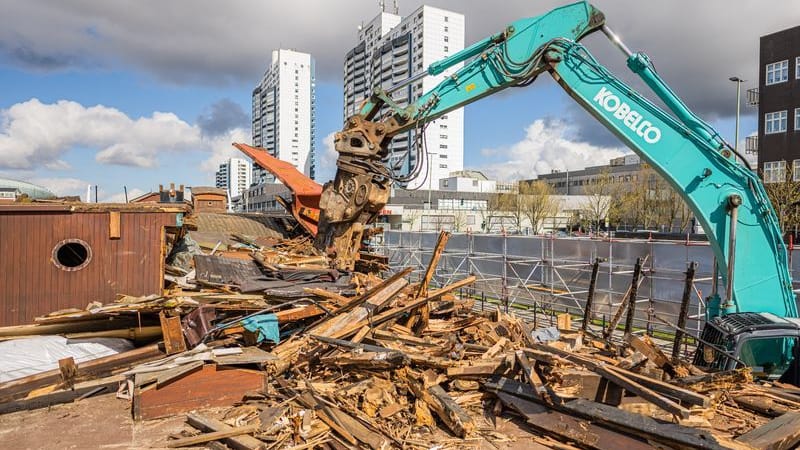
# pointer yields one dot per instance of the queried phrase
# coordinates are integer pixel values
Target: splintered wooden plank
(242, 442)
(618, 419)
(298, 313)
(357, 311)
(451, 414)
(778, 434)
(213, 436)
(645, 345)
(422, 291)
(620, 377)
(584, 434)
(531, 376)
(395, 312)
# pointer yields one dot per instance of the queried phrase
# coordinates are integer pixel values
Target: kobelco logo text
(631, 118)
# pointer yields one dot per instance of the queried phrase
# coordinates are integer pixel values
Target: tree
(493, 210)
(412, 217)
(784, 196)
(599, 198)
(537, 202)
(500, 206)
(459, 220)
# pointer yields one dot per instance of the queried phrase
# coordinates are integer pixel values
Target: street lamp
(738, 82)
(430, 177)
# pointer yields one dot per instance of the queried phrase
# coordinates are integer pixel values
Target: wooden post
(587, 311)
(612, 325)
(687, 293)
(637, 270)
(68, 371)
(424, 312)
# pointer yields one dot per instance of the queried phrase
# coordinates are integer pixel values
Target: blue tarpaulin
(265, 326)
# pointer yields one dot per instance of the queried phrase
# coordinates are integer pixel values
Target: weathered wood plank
(173, 334)
(451, 414)
(421, 319)
(213, 436)
(208, 424)
(584, 434)
(781, 433)
(395, 312)
(93, 387)
(618, 419)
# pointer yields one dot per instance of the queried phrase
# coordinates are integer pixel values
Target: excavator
(753, 323)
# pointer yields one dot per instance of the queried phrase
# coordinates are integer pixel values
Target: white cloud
(197, 43)
(119, 197)
(63, 186)
(36, 134)
(326, 160)
(546, 146)
(222, 149)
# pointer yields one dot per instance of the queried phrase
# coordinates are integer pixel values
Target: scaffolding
(538, 277)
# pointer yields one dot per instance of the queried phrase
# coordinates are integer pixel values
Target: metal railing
(538, 277)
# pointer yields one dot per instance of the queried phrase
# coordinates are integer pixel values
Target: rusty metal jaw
(357, 194)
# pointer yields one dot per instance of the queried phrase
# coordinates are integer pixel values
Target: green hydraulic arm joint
(640, 64)
(500, 61)
(469, 52)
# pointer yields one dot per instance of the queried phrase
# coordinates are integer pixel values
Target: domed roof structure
(33, 191)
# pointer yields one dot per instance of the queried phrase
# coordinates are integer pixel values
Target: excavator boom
(755, 320)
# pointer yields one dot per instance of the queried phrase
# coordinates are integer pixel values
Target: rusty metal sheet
(218, 270)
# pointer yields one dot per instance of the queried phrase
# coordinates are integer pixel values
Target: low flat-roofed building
(9, 194)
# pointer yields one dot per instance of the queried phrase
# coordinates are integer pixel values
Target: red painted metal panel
(307, 192)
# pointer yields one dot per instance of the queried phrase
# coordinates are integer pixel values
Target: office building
(778, 100)
(284, 112)
(624, 169)
(392, 48)
(234, 176)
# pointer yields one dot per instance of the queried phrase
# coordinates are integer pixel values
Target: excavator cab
(767, 343)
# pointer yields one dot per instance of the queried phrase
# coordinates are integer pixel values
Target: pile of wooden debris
(265, 347)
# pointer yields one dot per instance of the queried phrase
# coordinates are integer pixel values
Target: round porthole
(72, 254)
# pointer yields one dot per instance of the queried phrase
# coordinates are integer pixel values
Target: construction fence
(538, 277)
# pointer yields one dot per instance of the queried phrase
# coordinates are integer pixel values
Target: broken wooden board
(571, 429)
(211, 386)
(173, 334)
(96, 367)
(87, 388)
(654, 354)
(213, 436)
(242, 442)
(618, 419)
(450, 413)
(782, 433)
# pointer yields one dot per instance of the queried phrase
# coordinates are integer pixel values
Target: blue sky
(121, 104)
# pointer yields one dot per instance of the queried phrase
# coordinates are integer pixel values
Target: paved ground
(105, 422)
(102, 422)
